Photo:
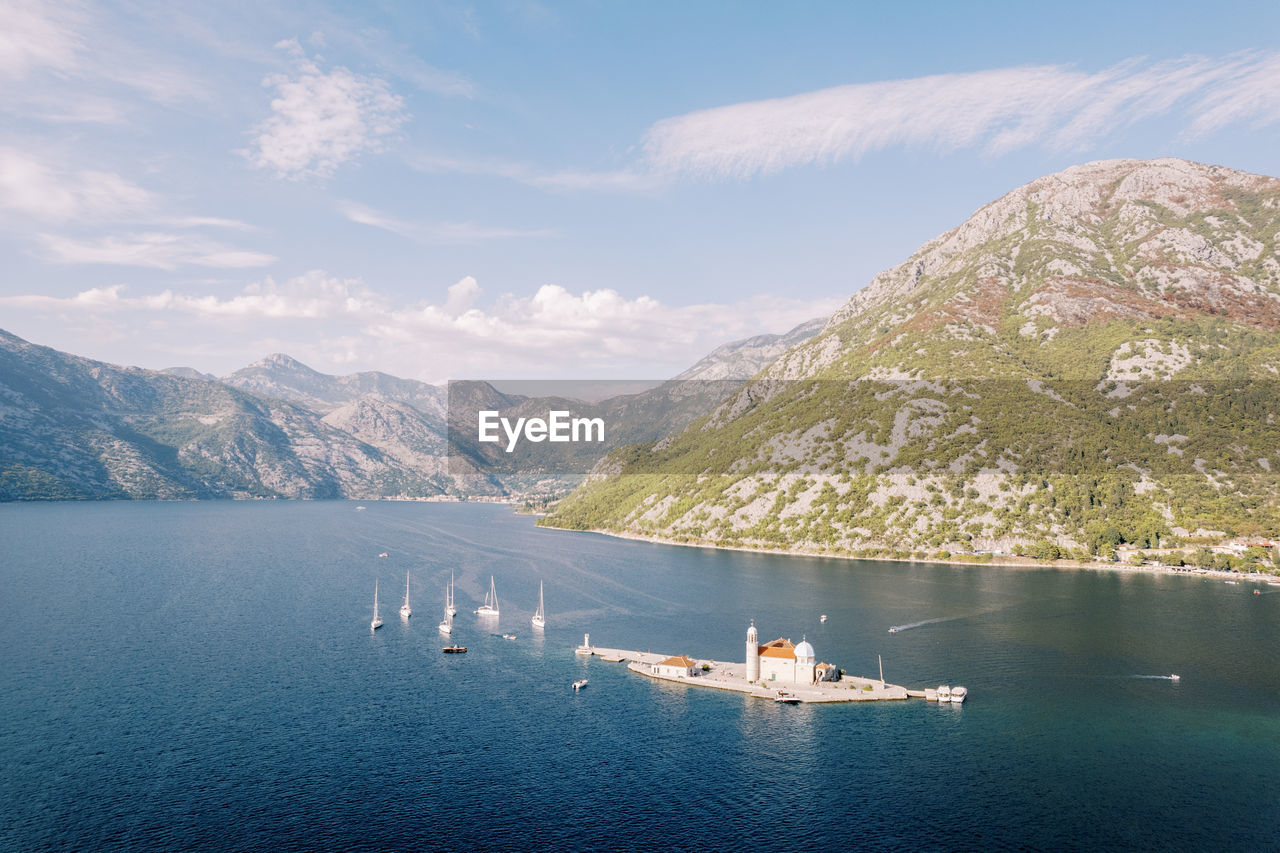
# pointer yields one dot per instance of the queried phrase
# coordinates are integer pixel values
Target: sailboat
(540, 618)
(405, 612)
(377, 621)
(490, 606)
(446, 627)
(449, 606)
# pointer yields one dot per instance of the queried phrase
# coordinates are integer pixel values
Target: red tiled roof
(779, 648)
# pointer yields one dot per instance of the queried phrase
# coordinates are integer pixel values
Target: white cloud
(996, 110)
(629, 179)
(333, 323)
(32, 188)
(35, 194)
(155, 250)
(35, 35)
(434, 232)
(57, 56)
(1248, 93)
(321, 120)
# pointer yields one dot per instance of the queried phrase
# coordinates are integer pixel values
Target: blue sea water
(203, 676)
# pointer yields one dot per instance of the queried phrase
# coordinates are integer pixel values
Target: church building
(781, 661)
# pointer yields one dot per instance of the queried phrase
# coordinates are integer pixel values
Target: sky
(600, 190)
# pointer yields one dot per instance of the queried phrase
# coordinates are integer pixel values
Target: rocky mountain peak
(1112, 243)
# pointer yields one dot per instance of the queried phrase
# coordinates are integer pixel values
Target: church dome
(804, 652)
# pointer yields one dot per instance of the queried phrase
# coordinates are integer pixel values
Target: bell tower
(753, 653)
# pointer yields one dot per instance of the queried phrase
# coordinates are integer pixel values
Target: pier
(721, 675)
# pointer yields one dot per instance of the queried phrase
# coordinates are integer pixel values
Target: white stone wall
(777, 669)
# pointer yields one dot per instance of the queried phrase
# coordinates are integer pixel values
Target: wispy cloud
(34, 188)
(628, 179)
(322, 119)
(997, 111)
(332, 322)
(152, 249)
(36, 35)
(36, 194)
(62, 51)
(434, 232)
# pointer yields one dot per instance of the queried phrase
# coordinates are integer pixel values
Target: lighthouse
(753, 653)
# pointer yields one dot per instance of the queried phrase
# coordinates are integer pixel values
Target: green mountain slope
(1085, 362)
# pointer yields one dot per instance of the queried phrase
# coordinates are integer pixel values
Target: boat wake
(1157, 677)
(897, 629)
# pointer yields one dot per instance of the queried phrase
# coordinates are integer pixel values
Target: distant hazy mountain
(75, 428)
(1009, 383)
(747, 357)
(285, 378)
(189, 373)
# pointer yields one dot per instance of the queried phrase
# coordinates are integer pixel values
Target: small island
(778, 670)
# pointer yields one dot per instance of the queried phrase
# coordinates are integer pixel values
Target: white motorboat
(490, 606)
(787, 698)
(1175, 677)
(578, 685)
(405, 612)
(944, 693)
(822, 618)
(539, 619)
(958, 695)
(377, 621)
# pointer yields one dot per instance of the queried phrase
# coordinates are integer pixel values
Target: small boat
(383, 554)
(490, 606)
(585, 648)
(581, 683)
(454, 650)
(1231, 583)
(405, 612)
(539, 619)
(508, 636)
(1175, 677)
(944, 694)
(1257, 592)
(893, 629)
(787, 698)
(377, 622)
(822, 618)
(359, 508)
(453, 611)
(958, 695)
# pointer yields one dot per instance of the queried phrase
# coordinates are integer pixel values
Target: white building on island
(679, 666)
(781, 661)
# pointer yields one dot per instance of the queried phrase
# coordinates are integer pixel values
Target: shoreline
(1009, 562)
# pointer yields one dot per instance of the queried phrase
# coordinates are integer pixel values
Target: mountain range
(1088, 361)
(74, 428)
